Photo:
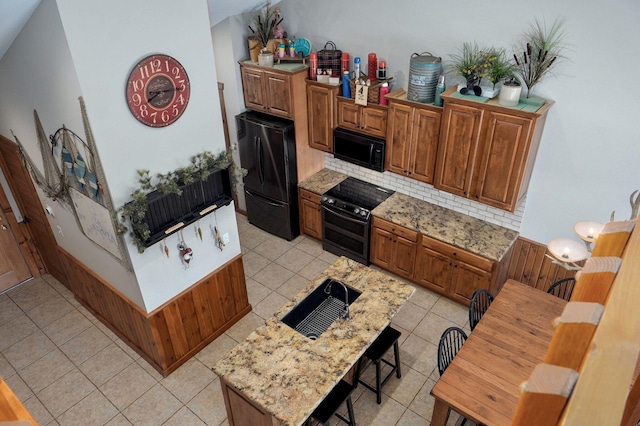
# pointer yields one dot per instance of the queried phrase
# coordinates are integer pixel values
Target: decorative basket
(373, 96)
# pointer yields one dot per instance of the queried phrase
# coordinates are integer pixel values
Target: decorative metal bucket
(424, 70)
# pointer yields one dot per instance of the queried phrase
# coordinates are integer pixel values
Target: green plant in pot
(501, 66)
(265, 20)
(472, 63)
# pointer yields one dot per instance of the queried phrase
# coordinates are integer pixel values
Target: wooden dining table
(482, 382)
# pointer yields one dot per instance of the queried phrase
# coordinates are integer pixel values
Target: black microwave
(356, 148)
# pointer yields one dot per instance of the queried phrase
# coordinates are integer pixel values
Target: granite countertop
(468, 233)
(286, 373)
(322, 181)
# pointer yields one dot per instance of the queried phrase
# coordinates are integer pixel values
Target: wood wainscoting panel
(174, 332)
(530, 266)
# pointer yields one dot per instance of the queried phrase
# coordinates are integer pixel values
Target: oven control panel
(344, 207)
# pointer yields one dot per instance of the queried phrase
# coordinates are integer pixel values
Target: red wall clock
(158, 90)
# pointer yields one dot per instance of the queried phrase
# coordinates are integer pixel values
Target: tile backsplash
(428, 193)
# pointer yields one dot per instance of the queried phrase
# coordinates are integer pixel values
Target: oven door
(344, 235)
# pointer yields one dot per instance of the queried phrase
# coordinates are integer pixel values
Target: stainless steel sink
(316, 312)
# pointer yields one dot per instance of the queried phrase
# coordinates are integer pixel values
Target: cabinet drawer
(395, 229)
(460, 254)
(308, 195)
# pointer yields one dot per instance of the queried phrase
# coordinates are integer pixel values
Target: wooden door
(321, 110)
(348, 115)
(404, 256)
(433, 269)
(253, 89)
(424, 145)
(14, 268)
(374, 121)
(399, 138)
(466, 280)
(278, 91)
(457, 150)
(381, 249)
(310, 214)
(502, 154)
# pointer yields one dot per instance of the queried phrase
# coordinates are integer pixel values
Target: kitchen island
(277, 376)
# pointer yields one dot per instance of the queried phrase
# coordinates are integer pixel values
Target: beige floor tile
(422, 404)
(65, 392)
(184, 417)
(310, 246)
(95, 409)
(32, 294)
(118, 420)
(453, 311)
(38, 411)
(273, 275)
(188, 380)
(8, 310)
(105, 364)
(127, 386)
(46, 370)
(313, 269)
(15, 330)
(410, 418)
(208, 405)
(6, 370)
(328, 257)
(150, 369)
(19, 387)
(368, 412)
(49, 311)
(294, 259)
(28, 350)
(240, 330)
(256, 291)
(153, 408)
(85, 345)
(270, 305)
(254, 263)
(216, 350)
(273, 247)
(293, 286)
(253, 237)
(67, 327)
(409, 316)
(405, 388)
(432, 326)
(423, 297)
(419, 354)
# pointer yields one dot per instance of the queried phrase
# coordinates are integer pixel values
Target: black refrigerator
(268, 152)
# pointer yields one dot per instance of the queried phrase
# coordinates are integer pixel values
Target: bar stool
(375, 353)
(329, 406)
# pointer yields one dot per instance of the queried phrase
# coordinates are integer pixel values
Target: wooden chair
(389, 337)
(480, 302)
(451, 341)
(329, 406)
(562, 288)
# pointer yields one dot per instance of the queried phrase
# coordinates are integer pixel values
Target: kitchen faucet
(345, 313)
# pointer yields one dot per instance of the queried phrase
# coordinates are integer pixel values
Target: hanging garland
(200, 168)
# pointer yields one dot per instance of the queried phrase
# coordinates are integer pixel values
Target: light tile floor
(69, 369)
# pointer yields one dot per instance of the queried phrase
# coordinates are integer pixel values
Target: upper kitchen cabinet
(370, 120)
(487, 152)
(321, 107)
(413, 130)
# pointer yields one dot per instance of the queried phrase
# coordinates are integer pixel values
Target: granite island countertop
(288, 374)
(460, 230)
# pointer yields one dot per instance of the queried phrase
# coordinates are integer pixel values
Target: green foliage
(501, 66)
(264, 22)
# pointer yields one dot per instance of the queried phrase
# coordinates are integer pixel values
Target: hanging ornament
(166, 248)
(186, 254)
(199, 229)
(216, 234)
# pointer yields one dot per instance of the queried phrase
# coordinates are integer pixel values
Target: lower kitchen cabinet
(451, 271)
(310, 213)
(393, 247)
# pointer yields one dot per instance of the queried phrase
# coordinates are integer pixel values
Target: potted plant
(265, 20)
(500, 66)
(541, 48)
(473, 64)
(510, 92)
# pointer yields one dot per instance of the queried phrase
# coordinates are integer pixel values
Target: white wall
(587, 163)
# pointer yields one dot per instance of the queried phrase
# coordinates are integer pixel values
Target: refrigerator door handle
(259, 158)
(264, 200)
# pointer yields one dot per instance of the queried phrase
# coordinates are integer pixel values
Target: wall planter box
(168, 213)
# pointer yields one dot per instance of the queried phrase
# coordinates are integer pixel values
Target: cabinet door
(373, 121)
(424, 145)
(310, 214)
(253, 89)
(399, 138)
(381, 248)
(466, 280)
(321, 110)
(278, 89)
(502, 154)
(348, 115)
(404, 256)
(433, 269)
(457, 150)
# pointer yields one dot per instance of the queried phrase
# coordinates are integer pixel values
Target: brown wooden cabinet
(310, 213)
(413, 131)
(267, 91)
(452, 271)
(393, 247)
(321, 107)
(486, 152)
(370, 119)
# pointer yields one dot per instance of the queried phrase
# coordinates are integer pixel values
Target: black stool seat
(329, 406)
(389, 337)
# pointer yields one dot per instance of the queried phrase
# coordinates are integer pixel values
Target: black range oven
(346, 217)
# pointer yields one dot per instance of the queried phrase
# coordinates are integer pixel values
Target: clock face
(158, 90)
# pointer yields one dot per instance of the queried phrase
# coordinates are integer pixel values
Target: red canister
(313, 66)
(372, 69)
(344, 63)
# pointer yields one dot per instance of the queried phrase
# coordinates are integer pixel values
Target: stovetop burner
(359, 193)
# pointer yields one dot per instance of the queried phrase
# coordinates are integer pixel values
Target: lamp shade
(588, 230)
(566, 250)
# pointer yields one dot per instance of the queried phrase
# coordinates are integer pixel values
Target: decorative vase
(510, 94)
(254, 48)
(265, 59)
